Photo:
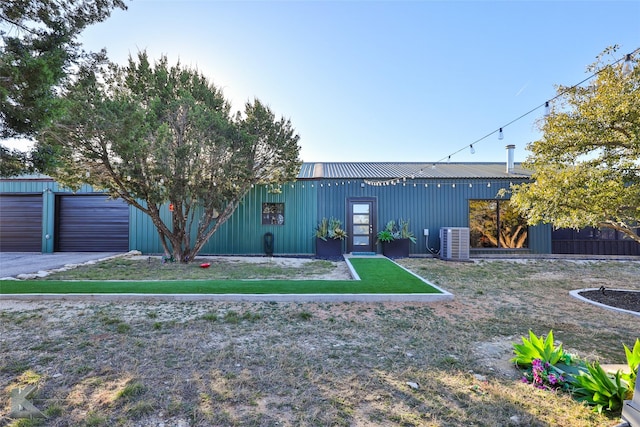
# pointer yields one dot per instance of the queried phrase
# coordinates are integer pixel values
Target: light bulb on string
(547, 109)
(473, 150)
(627, 65)
(500, 134)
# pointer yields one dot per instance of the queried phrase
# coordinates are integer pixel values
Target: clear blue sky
(383, 80)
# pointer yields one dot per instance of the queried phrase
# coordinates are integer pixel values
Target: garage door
(91, 223)
(21, 223)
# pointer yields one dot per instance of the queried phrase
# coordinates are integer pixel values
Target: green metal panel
(243, 233)
(421, 201)
(426, 203)
(48, 188)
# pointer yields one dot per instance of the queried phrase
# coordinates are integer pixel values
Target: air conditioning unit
(454, 243)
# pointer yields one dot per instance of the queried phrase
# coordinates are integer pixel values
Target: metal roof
(391, 170)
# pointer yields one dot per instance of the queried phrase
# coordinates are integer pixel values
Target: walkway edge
(235, 297)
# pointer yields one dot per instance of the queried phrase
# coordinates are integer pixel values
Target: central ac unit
(454, 243)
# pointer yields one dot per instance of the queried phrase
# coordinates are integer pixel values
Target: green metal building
(38, 215)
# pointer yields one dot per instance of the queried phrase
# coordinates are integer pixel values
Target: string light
(627, 65)
(627, 68)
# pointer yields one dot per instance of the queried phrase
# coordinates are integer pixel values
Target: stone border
(576, 294)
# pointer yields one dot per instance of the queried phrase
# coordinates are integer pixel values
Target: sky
(375, 81)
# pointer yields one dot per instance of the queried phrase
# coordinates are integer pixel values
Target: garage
(21, 223)
(91, 223)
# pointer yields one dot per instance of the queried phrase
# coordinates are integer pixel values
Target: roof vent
(510, 149)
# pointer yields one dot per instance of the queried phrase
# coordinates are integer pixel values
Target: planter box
(398, 248)
(328, 249)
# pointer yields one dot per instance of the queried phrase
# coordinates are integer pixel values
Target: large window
(495, 224)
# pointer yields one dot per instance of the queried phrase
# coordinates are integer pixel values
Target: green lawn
(378, 276)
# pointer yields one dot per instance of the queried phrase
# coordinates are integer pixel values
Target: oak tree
(586, 167)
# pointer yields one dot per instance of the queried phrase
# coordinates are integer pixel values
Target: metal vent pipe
(510, 153)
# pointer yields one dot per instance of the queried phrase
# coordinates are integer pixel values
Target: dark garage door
(91, 224)
(21, 223)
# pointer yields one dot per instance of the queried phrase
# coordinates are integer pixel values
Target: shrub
(537, 348)
(601, 390)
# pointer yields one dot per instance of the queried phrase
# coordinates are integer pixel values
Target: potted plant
(396, 239)
(329, 236)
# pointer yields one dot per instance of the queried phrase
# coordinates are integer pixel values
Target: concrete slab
(15, 263)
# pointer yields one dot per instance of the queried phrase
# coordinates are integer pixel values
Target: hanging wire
(500, 130)
(544, 104)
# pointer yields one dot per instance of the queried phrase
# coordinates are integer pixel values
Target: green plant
(537, 348)
(389, 232)
(330, 229)
(393, 231)
(600, 389)
(544, 375)
(133, 388)
(405, 233)
(633, 361)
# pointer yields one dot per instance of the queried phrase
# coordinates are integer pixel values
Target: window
(273, 214)
(495, 224)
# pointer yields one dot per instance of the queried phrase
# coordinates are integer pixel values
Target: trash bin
(268, 244)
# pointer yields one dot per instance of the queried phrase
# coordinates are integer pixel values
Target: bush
(549, 367)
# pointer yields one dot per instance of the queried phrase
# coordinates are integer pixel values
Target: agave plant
(539, 348)
(330, 229)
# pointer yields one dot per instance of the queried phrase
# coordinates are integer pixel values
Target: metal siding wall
(48, 188)
(426, 207)
(242, 234)
(429, 206)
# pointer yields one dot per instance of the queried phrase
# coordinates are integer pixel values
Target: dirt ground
(162, 363)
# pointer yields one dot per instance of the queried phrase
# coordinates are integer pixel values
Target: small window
(273, 214)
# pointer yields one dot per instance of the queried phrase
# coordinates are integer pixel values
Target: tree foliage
(154, 134)
(37, 51)
(586, 167)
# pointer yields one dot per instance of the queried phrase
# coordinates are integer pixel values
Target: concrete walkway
(15, 263)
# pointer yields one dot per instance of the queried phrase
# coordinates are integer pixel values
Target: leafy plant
(330, 229)
(405, 233)
(633, 361)
(545, 376)
(600, 389)
(393, 231)
(537, 348)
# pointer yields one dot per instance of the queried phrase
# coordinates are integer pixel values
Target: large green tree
(586, 167)
(154, 134)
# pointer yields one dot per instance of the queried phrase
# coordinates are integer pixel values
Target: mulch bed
(626, 300)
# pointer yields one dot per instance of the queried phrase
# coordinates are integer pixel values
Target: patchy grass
(290, 364)
(222, 268)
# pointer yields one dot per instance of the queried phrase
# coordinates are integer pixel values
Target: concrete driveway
(14, 263)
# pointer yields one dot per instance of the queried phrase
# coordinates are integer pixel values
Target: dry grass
(265, 364)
